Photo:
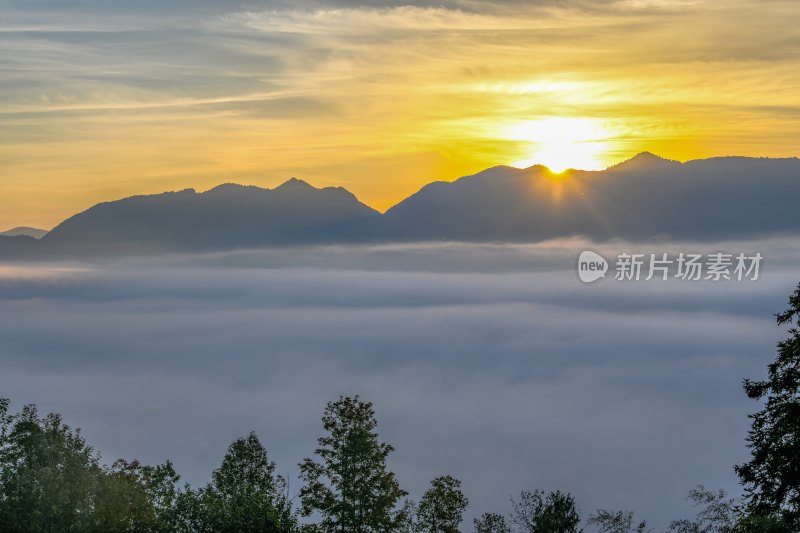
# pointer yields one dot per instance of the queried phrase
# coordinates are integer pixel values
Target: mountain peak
(36, 233)
(648, 156)
(294, 184)
(644, 160)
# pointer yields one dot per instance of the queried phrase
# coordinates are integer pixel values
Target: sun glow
(562, 143)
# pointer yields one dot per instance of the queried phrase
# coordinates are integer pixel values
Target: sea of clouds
(492, 363)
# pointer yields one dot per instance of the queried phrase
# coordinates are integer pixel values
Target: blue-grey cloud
(493, 363)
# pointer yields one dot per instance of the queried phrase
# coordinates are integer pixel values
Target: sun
(562, 143)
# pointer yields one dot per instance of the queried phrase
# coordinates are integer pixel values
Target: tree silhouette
(772, 476)
(244, 494)
(350, 487)
(537, 512)
(616, 522)
(51, 480)
(442, 506)
(491, 523)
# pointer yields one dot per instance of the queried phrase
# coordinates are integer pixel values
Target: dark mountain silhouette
(24, 231)
(644, 161)
(644, 198)
(227, 216)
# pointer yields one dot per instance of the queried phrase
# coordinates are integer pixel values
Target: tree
(244, 495)
(616, 522)
(52, 480)
(537, 512)
(763, 523)
(407, 516)
(442, 506)
(160, 484)
(47, 475)
(122, 502)
(350, 487)
(491, 523)
(719, 514)
(772, 476)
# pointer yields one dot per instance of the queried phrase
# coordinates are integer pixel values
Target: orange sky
(98, 104)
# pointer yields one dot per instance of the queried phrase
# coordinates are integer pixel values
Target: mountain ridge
(228, 215)
(645, 197)
(24, 231)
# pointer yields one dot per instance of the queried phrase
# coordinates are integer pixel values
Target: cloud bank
(489, 362)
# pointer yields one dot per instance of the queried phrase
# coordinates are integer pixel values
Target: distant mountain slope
(228, 216)
(24, 231)
(643, 198)
(22, 246)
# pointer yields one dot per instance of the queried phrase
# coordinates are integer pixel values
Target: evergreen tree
(244, 495)
(772, 476)
(350, 487)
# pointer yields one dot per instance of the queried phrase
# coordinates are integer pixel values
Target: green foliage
(616, 522)
(244, 496)
(51, 480)
(350, 487)
(763, 523)
(537, 512)
(442, 506)
(123, 502)
(772, 476)
(160, 485)
(48, 474)
(491, 523)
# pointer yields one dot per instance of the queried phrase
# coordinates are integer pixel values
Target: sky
(492, 363)
(101, 100)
